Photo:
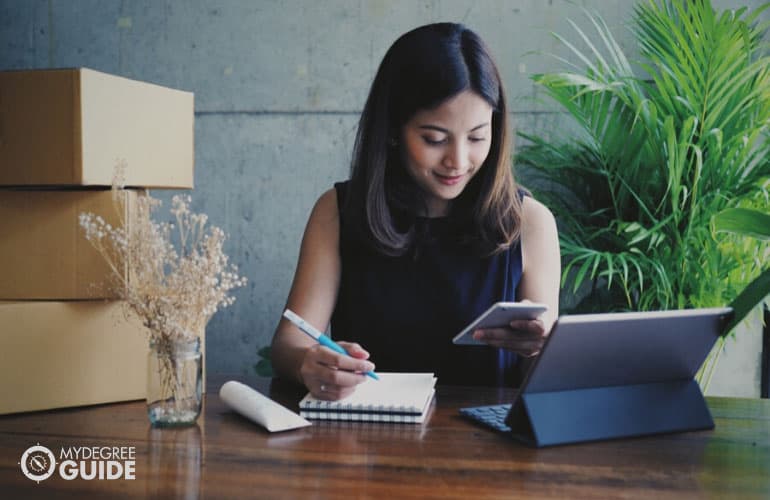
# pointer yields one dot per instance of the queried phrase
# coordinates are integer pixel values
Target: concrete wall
(278, 88)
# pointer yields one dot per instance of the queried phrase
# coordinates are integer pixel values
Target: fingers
(528, 326)
(523, 348)
(524, 337)
(329, 375)
(332, 392)
(338, 361)
(333, 384)
(354, 349)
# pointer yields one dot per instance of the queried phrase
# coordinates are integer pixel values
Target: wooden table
(226, 456)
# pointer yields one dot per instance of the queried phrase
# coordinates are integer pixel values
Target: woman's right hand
(330, 375)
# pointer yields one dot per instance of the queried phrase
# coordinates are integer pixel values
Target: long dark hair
(422, 69)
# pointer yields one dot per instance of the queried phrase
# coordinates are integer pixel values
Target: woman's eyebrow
(445, 131)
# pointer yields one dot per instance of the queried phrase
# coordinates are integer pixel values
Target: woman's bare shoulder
(535, 214)
(325, 209)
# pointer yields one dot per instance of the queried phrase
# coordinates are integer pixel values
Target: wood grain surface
(227, 456)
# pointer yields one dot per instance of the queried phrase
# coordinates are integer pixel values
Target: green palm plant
(657, 155)
(756, 224)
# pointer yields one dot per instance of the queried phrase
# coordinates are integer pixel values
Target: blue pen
(318, 336)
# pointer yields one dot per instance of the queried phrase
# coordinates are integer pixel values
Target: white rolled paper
(259, 408)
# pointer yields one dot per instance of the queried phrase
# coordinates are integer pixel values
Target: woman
(429, 231)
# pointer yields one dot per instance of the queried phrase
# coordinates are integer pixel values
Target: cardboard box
(62, 354)
(71, 127)
(43, 251)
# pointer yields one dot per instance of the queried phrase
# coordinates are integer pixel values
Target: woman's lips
(448, 180)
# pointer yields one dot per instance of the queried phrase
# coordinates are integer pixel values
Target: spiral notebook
(396, 397)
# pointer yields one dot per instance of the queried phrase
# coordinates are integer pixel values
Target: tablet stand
(595, 413)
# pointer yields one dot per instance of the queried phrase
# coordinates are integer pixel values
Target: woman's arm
(541, 259)
(540, 277)
(313, 296)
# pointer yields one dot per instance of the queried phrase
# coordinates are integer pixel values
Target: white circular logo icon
(38, 463)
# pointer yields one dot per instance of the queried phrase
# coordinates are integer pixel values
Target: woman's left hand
(523, 336)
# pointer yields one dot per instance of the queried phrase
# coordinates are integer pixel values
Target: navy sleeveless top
(405, 310)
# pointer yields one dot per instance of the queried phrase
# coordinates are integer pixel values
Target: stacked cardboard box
(64, 339)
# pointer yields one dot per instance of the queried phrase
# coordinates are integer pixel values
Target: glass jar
(174, 382)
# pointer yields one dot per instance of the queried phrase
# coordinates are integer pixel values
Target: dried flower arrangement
(174, 289)
(174, 292)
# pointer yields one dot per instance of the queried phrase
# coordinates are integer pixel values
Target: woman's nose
(456, 156)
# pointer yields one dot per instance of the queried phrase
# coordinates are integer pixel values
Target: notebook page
(393, 391)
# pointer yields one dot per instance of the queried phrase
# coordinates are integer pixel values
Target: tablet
(500, 314)
(612, 375)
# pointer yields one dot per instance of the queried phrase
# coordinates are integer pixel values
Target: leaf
(751, 296)
(581, 273)
(743, 221)
(264, 366)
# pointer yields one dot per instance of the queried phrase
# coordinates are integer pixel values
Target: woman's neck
(436, 208)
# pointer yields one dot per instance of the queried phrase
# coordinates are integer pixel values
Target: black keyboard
(492, 416)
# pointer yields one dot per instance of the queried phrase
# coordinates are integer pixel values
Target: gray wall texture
(279, 85)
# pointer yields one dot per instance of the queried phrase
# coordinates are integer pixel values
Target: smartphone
(500, 314)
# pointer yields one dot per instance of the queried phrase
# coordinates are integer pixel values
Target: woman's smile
(449, 180)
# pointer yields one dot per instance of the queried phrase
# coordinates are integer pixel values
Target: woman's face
(445, 147)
